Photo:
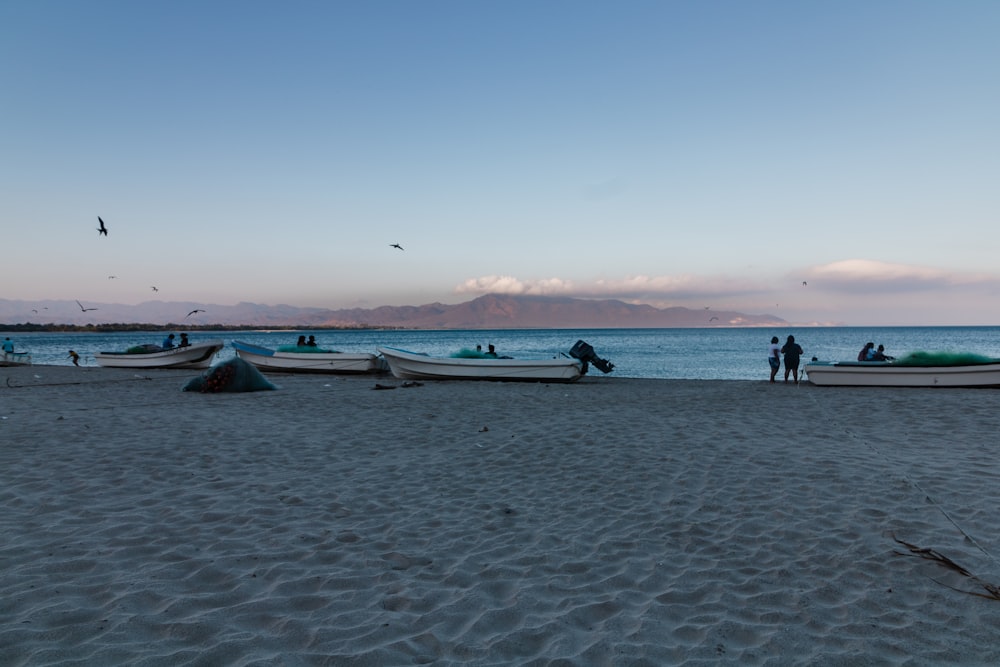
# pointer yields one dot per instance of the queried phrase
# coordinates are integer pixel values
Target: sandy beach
(608, 522)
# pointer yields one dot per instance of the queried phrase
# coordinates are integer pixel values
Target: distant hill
(486, 312)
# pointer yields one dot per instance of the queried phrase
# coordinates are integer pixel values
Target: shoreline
(609, 521)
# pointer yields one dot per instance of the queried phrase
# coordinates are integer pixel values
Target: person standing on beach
(75, 357)
(792, 352)
(8, 345)
(774, 356)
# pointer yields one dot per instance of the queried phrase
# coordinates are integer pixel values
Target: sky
(821, 162)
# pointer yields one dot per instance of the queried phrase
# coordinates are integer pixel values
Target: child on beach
(75, 357)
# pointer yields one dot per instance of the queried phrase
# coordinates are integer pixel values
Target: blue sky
(703, 154)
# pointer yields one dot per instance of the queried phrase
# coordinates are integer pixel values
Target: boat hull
(411, 366)
(271, 361)
(199, 355)
(887, 374)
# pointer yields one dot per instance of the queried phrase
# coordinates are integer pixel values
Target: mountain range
(486, 312)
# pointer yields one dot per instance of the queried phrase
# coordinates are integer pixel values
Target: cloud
(632, 287)
(849, 276)
(865, 275)
(511, 285)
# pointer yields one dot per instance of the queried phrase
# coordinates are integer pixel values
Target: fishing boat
(408, 365)
(302, 359)
(920, 369)
(15, 359)
(196, 355)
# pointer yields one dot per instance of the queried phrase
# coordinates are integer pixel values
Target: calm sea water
(709, 354)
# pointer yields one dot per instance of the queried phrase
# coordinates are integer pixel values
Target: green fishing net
(466, 353)
(944, 359)
(143, 349)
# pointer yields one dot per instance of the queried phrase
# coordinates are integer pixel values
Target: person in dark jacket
(792, 352)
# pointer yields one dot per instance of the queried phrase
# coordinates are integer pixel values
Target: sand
(609, 522)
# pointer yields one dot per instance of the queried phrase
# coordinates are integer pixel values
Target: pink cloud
(865, 275)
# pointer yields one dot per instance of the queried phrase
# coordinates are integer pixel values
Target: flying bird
(82, 308)
(712, 318)
(196, 310)
(395, 245)
(102, 229)
(804, 283)
(112, 277)
(153, 287)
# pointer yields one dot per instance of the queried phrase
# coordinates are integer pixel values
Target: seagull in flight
(153, 287)
(82, 308)
(102, 230)
(712, 318)
(196, 310)
(112, 277)
(804, 283)
(395, 245)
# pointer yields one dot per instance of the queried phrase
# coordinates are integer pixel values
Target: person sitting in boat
(491, 352)
(184, 341)
(301, 342)
(867, 352)
(880, 355)
(311, 342)
(168, 342)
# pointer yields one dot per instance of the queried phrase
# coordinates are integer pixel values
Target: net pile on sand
(232, 375)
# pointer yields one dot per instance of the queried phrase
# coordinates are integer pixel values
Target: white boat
(894, 374)
(414, 366)
(322, 361)
(15, 359)
(196, 355)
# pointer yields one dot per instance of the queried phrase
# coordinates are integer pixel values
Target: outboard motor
(585, 353)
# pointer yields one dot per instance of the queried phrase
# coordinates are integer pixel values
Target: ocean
(693, 354)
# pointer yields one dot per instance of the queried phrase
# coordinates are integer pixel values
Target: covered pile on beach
(608, 522)
(233, 375)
